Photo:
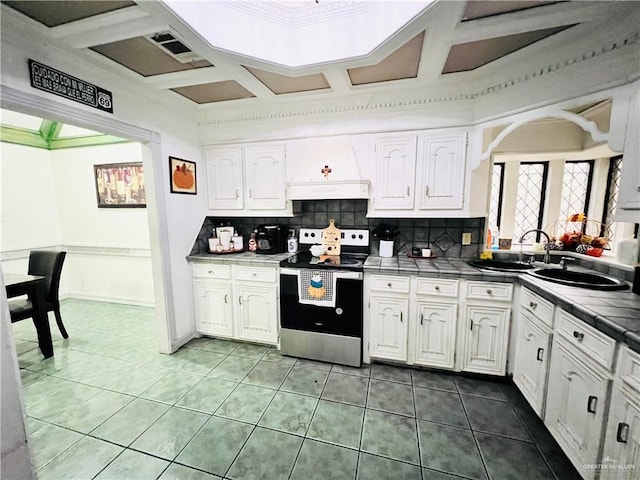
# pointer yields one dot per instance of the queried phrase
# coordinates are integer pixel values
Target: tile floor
(109, 406)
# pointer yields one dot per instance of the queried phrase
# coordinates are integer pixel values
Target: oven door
(345, 319)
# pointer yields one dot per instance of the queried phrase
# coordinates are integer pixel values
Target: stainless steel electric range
(321, 300)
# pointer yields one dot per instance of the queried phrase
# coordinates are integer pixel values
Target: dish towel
(317, 287)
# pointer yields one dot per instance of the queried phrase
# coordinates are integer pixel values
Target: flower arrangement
(581, 235)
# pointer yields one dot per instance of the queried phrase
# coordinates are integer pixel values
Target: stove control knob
(339, 311)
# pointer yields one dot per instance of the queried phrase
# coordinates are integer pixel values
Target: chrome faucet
(547, 256)
(564, 260)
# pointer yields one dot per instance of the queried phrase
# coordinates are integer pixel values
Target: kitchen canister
(626, 251)
(386, 248)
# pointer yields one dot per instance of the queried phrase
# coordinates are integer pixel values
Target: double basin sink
(593, 281)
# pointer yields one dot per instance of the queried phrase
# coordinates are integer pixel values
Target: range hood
(325, 168)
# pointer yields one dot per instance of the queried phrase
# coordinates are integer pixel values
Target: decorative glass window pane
(529, 199)
(611, 197)
(495, 203)
(576, 183)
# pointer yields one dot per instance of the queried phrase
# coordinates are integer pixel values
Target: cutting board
(331, 238)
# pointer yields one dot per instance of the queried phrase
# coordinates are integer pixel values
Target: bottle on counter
(253, 244)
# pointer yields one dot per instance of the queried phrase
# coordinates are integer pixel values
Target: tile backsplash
(442, 235)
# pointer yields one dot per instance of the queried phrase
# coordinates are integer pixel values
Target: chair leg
(64, 333)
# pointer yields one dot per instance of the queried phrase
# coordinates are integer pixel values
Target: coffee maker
(271, 238)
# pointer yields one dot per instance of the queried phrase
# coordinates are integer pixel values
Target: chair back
(48, 263)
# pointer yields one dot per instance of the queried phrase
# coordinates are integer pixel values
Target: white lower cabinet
(257, 313)
(621, 457)
(577, 402)
(236, 302)
(484, 327)
(532, 361)
(415, 320)
(389, 317)
(485, 339)
(436, 333)
(214, 315)
(533, 349)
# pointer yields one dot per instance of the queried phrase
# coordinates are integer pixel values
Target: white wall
(108, 256)
(28, 213)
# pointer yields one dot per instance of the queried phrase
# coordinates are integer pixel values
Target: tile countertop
(615, 313)
(241, 258)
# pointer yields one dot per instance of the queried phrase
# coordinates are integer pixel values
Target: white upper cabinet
(395, 172)
(246, 178)
(441, 184)
(629, 195)
(224, 178)
(265, 177)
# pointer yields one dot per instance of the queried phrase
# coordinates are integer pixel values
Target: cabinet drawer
(436, 286)
(628, 368)
(595, 344)
(210, 270)
(489, 291)
(255, 274)
(539, 307)
(388, 283)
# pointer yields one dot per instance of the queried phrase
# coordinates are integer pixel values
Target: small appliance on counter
(386, 233)
(271, 238)
(292, 242)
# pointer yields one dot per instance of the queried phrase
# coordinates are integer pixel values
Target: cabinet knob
(255, 274)
(592, 401)
(400, 317)
(226, 298)
(540, 354)
(389, 284)
(237, 193)
(210, 272)
(489, 292)
(437, 287)
(421, 318)
(533, 305)
(579, 336)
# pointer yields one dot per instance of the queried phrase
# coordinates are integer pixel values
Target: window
(611, 195)
(544, 194)
(532, 180)
(576, 187)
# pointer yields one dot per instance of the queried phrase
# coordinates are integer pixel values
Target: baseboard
(96, 298)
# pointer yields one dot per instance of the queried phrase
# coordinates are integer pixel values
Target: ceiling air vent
(174, 47)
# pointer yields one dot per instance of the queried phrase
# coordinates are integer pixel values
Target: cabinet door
(531, 362)
(214, 315)
(629, 195)
(265, 177)
(443, 169)
(436, 337)
(576, 404)
(395, 173)
(257, 313)
(485, 339)
(224, 178)
(388, 317)
(622, 444)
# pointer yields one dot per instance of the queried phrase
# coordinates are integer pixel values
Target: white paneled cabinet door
(257, 314)
(389, 318)
(531, 362)
(576, 405)
(484, 330)
(436, 334)
(622, 447)
(265, 177)
(395, 173)
(225, 178)
(214, 315)
(443, 168)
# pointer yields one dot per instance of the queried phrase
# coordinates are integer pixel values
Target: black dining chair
(48, 264)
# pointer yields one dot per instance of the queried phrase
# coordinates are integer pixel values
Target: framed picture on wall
(120, 185)
(183, 176)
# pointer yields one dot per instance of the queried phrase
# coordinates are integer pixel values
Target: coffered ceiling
(177, 49)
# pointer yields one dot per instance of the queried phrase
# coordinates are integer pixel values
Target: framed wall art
(120, 185)
(183, 176)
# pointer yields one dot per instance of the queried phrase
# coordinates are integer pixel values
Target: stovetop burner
(306, 260)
